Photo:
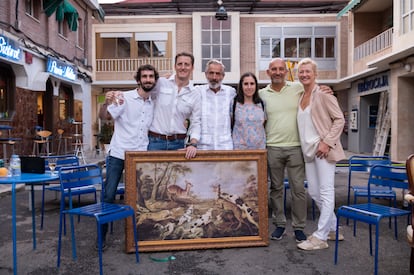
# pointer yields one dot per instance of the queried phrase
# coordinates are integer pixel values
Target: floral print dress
(249, 131)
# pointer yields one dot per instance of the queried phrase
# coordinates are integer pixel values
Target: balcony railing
(376, 44)
(131, 65)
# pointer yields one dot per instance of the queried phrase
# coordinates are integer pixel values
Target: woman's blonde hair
(306, 61)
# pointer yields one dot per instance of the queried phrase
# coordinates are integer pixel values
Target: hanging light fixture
(221, 13)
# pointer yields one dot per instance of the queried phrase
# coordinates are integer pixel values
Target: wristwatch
(191, 144)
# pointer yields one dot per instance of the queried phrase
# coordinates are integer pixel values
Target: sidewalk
(280, 257)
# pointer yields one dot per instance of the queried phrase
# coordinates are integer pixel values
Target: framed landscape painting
(216, 200)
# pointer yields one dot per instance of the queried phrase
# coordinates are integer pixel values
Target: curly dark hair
(146, 67)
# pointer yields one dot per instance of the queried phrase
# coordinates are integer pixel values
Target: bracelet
(191, 144)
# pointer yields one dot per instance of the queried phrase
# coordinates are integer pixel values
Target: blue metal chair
(372, 213)
(86, 175)
(286, 186)
(62, 161)
(363, 164)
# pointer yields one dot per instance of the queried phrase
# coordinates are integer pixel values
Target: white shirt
(309, 137)
(132, 120)
(215, 118)
(172, 108)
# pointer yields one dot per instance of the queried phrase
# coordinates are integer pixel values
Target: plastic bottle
(15, 166)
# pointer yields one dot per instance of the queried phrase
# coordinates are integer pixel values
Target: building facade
(379, 87)
(45, 75)
(244, 42)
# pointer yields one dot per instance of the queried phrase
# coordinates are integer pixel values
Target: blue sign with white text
(373, 83)
(9, 48)
(60, 68)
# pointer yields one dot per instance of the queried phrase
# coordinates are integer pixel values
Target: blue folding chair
(86, 175)
(363, 164)
(63, 161)
(380, 175)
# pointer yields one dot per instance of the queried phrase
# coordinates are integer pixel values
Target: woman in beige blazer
(320, 122)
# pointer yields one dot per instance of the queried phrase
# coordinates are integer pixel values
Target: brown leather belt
(165, 137)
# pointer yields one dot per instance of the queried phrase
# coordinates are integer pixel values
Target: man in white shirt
(216, 105)
(132, 112)
(176, 101)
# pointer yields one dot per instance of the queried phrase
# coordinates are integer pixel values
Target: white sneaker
(313, 243)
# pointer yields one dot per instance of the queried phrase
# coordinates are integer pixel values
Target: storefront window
(372, 116)
(7, 90)
(65, 103)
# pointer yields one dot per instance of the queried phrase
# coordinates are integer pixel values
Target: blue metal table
(30, 179)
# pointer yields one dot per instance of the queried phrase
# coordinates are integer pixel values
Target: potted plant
(105, 134)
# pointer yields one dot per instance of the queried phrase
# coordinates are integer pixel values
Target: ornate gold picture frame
(216, 200)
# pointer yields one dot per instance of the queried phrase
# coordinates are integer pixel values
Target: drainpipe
(16, 22)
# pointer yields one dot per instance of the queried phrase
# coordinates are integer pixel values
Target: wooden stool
(44, 141)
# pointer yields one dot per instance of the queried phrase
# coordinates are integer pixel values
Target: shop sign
(373, 83)
(9, 48)
(61, 69)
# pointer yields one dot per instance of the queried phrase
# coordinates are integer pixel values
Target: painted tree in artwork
(165, 174)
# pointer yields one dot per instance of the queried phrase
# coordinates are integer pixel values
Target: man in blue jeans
(176, 101)
(132, 112)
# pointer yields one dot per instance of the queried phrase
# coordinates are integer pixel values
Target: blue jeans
(156, 144)
(114, 169)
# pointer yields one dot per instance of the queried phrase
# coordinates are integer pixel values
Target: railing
(131, 65)
(376, 44)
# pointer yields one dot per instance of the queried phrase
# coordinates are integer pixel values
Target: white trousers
(321, 187)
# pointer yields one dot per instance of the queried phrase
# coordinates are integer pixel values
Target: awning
(63, 9)
(347, 8)
(50, 6)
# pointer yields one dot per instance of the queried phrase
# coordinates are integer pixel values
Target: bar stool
(79, 152)
(60, 149)
(44, 141)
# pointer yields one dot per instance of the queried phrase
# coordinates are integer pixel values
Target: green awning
(66, 10)
(347, 8)
(63, 9)
(50, 6)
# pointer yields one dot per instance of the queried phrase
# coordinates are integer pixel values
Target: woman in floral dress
(248, 116)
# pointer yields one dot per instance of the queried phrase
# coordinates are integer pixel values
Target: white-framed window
(153, 44)
(407, 14)
(216, 40)
(127, 46)
(117, 45)
(297, 42)
(33, 8)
